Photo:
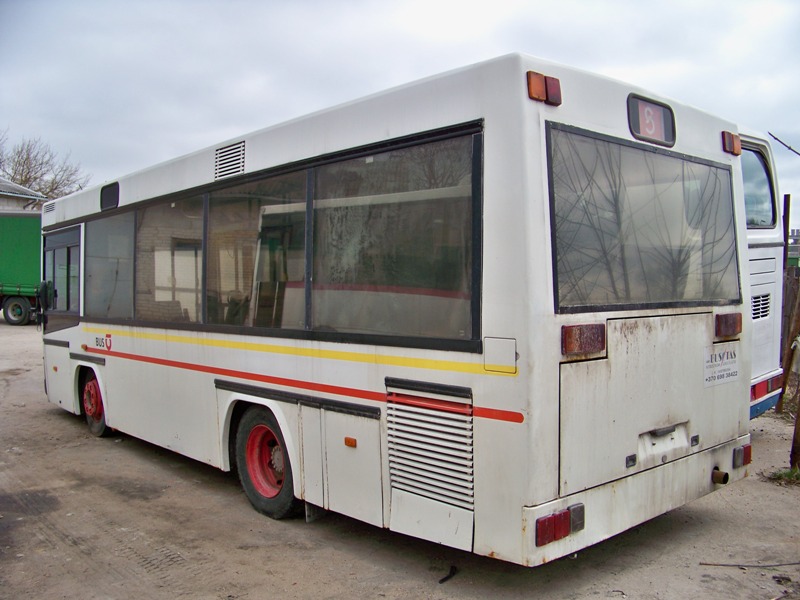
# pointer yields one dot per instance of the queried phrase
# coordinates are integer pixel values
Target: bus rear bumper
(616, 506)
(762, 405)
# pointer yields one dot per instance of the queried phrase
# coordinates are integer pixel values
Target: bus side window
(758, 196)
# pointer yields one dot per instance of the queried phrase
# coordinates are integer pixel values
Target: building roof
(12, 190)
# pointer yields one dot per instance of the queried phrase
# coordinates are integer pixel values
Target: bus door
(61, 311)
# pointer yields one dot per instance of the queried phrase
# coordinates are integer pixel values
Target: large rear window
(635, 226)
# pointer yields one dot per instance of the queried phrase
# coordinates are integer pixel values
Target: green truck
(20, 264)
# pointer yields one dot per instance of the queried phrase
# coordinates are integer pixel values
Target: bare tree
(33, 164)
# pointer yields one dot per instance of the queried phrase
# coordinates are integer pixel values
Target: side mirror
(42, 296)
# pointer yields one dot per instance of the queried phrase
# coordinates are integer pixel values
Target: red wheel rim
(92, 402)
(265, 461)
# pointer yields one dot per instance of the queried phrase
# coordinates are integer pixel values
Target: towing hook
(719, 477)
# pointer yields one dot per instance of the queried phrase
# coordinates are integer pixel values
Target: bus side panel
(353, 466)
(766, 306)
(764, 282)
(59, 375)
(152, 400)
(312, 455)
(442, 523)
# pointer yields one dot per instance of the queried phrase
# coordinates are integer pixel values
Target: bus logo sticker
(721, 364)
(103, 343)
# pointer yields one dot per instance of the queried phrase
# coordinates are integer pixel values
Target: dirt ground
(82, 517)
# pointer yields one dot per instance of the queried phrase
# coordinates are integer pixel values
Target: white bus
(766, 252)
(501, 309)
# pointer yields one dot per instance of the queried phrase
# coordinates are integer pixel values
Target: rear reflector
(731, 143)
(559, 525)
(728, 325)
(543, 88)
(583, 339)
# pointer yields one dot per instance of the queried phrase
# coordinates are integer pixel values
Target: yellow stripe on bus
(362, 357)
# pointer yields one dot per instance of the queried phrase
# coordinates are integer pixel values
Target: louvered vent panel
(760, 305)
(49, 207)
(229, 161)
(430, 454)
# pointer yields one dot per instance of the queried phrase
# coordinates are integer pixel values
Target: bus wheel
(17, 310)
(263, 464)
(93, 406)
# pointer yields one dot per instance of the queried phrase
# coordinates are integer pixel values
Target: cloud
(123, 85)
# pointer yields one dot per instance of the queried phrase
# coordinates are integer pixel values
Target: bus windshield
(635, 226)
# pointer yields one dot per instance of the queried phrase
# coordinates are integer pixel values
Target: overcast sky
(121, 85)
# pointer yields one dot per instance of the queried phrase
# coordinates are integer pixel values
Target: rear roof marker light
(731, 143)
(544, 88)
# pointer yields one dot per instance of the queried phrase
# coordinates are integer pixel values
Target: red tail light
(748, 453)
(560, 524)
(728, 325)
(743, 455)
(583, 339)
(561, 527)
(545, 530)
(762, 388)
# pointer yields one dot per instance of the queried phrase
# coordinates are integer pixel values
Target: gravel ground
(82, 517)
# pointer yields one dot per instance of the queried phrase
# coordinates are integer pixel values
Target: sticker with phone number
(721, 364)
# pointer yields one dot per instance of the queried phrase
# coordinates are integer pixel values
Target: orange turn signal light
(351, 442)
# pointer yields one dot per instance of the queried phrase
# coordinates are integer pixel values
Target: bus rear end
(646, 224)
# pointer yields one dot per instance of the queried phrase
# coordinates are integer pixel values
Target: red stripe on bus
(434, 404)
(497, 414)
(296, 383)
(454, 407)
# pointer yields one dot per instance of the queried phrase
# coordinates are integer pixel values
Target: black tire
(263, 464)
(17, 310)
(93, 407)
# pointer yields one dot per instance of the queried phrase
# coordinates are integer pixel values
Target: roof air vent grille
(229, 161)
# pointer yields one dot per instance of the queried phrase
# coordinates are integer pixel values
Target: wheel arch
(81, 373)
(286, 414)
